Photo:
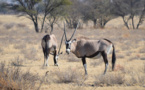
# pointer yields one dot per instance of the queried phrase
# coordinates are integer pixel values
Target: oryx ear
(74, 40)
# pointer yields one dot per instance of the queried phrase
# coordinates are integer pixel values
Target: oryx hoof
(56, 64)
(46, 65)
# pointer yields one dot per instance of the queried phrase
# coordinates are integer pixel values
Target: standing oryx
(49, 44)
(87, 48)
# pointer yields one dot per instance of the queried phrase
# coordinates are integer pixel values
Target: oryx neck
(73, 47)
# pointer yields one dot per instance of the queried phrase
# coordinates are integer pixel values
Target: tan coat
(87, 47)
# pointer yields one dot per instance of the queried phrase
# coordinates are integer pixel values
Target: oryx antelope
(49, 45)
(86, 48)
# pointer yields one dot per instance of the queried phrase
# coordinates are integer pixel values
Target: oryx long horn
(74, 31)
(61, 43)
(65, 31)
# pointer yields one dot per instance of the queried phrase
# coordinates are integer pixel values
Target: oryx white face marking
(68, 46)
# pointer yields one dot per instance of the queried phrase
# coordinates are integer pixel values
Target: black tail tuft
(113, 58)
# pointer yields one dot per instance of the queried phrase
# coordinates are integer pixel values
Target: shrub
(1, 50)
(13, 79)
(110, 79)
(21, 25)
(96, 63)
(30, 54)
(136, 80)
(9, 26)
(17, 62)
(20, 46)
(68, 76)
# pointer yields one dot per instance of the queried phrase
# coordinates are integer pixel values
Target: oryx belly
(97, 56)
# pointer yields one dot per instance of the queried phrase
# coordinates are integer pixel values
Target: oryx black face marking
(68, 46)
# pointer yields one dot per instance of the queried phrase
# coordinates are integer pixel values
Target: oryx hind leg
(55, 58)
(104, 55)
(44, 56)
(85, 65)
(47, 56)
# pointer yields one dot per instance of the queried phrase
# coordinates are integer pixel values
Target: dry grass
(21, 47)
(1, 50)
(30, 54)
(96, 63)
(68, 76)
(110, 79)
(14, 79)
(17, 62)
(9, 26)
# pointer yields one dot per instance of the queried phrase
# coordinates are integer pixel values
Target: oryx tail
(113, 57)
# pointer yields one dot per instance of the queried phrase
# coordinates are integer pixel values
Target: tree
(128, 9)
(73, 14)
(52, 8)
(90, 12)
(104, 8)
(99, 11)
(33, 9)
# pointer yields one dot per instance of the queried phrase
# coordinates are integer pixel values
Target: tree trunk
(36, 27)
(132, 22)
(125, 23)
(51, 28)
(95, 23)
(42, 25)
(140, 19)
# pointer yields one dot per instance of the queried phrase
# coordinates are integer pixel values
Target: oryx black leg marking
(44, 55)
(47, 51)
(54, 58)
(104, 55)
(84, 64)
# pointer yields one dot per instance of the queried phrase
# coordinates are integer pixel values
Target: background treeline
(48, 12)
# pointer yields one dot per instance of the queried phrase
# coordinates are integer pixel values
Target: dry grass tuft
(13, 79)
(143, 58)
(110, 79)
(96, 63)
(20, 46)
(119, 67)
(120, 56)
(9, 26)
(136, 80)
(1, 50)
(142, 50)
(21, 25)
(68, 76)
(17, 62)
(71, 58)
(134, 58)
(30, 54)
(144, 68)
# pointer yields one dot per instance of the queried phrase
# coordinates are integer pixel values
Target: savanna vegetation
(23, 23)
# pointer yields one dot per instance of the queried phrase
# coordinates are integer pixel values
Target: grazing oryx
(49, 44)
(87, 48)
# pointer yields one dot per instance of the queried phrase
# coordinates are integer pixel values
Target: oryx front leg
(104, 55)
(85, 65)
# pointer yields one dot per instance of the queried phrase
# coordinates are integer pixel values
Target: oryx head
(70, 41)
